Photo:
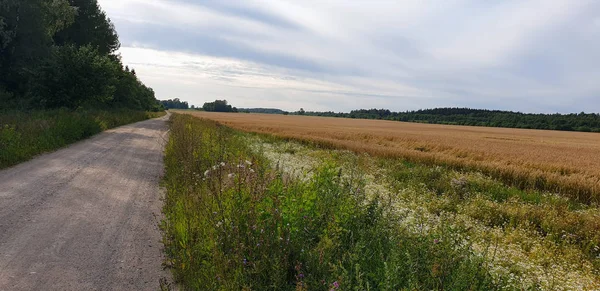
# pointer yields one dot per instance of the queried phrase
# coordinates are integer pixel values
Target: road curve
(86, 217)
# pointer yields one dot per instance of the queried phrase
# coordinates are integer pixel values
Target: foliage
(130, 92)
(262, 110)
(92, 28)
(233, 221)
(26, 134)
(218, 106)
(477, 117)
(60, 53)
(174, 104)
(73, 77)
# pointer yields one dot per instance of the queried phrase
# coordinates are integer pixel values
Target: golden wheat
(563, 162)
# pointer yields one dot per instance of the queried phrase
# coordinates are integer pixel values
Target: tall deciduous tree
(26, 30)
(91, 27)
(60, 53)
(74, 77)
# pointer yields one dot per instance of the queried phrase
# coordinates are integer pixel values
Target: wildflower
(245, 261)
(436, 241)
(248, 162)
(335, 285)
(460, 182)
(222, 164)
(230, 175)
(301, 276)
(251, 171)
(219, 224)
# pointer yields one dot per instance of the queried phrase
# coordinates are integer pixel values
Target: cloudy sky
(529, 56)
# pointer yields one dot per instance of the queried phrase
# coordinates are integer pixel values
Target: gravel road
(86, 217)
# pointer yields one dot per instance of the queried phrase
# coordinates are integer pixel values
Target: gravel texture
(86, 217)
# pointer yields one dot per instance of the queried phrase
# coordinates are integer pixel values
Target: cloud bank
(530, 56)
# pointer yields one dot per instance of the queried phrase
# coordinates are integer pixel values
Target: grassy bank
(237, 220)
(24, 135)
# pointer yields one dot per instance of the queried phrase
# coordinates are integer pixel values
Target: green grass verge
(233, 221)
(24, 135)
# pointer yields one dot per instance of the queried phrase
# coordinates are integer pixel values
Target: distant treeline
(587, 122)
(174, 104)
(263, 110)
(218, 106)
(62, 54)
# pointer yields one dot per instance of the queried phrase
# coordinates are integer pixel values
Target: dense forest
(62, 54)
(588, 122)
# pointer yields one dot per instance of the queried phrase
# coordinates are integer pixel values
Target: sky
(528, 56)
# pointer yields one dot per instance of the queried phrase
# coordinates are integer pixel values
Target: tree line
(587, 122)
(215, 106)
(174, 104)
(62, 54)
(218, 106)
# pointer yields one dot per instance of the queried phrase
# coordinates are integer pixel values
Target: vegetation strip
(559, 162)
(24, 135)
(358, 221)
(586, 122)
(234, 220)
(537, 240)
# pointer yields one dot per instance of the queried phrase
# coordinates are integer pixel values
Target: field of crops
(273, 211)
(562, 162)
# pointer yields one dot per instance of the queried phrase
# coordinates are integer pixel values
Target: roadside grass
(538, 239)
(24, 135)
(234, 220)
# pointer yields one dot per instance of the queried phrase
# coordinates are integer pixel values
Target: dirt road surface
(86, 217)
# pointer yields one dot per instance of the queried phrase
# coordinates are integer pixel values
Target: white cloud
(399, 55)
(208, 78)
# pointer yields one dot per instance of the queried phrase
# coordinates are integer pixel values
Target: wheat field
(562, 162)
